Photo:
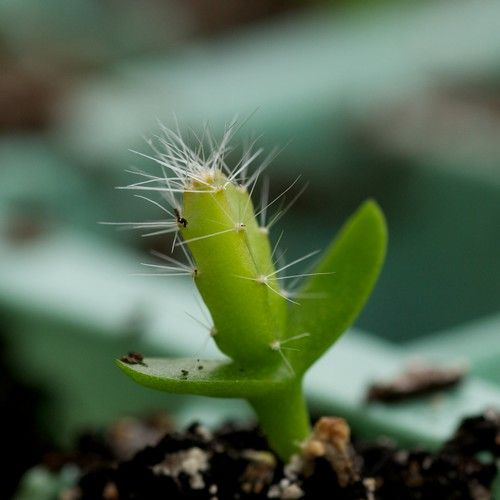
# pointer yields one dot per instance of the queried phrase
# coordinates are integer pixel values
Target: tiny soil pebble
(236, 463)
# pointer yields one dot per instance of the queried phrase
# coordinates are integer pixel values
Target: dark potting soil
(23, 444)
(236, 463)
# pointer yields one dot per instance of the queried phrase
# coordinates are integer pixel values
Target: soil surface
(23, 444)
(236, 463)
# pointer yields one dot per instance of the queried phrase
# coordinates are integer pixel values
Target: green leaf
(223, 379)
(331, 302)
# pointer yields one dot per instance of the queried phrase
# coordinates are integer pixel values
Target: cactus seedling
(270, 335)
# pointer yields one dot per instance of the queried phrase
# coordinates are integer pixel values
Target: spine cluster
(224, 240)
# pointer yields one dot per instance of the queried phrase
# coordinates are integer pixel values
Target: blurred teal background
(394, 100)
(388, 100)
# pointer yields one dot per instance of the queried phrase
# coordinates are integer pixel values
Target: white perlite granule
(192, 462)
(285, 491)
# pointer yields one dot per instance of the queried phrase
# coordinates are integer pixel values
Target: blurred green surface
(390, 100)
(328, 87)
(442, 267)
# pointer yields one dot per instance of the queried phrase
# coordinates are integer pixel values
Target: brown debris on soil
(259, 473)
(110, 492)
(331, 439)
(417, 380)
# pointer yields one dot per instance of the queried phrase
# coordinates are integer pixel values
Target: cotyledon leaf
(223, 379)
(332, 300)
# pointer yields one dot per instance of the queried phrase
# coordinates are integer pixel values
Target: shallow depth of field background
(394, 100)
